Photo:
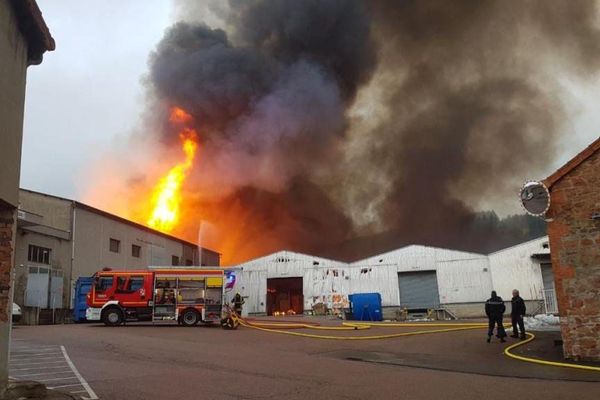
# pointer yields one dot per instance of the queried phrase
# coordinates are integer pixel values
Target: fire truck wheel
(190, 318)
(112, 316)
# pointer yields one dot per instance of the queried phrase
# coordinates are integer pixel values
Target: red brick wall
(6, 259)
(575, 244)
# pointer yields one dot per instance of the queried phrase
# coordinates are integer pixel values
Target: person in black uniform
(238, 302)
(516, 315)
(494, 309)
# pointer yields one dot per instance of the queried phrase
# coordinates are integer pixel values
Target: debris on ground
(542, 322)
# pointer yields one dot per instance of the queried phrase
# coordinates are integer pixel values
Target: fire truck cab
(187, 296)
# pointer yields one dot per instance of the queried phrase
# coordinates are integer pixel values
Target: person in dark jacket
(516, 315)
(494, 309)
(238, 302)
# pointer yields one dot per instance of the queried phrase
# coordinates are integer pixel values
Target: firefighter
(494, 309)
(238, 301)
(516, 315)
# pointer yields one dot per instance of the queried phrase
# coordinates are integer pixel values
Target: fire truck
(186, 296)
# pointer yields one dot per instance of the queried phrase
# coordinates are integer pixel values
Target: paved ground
(48, 364)
(168, 362)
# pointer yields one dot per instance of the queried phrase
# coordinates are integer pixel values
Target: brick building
(24, 38)
(574, 231)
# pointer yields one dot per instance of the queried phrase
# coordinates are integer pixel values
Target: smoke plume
(324, 121)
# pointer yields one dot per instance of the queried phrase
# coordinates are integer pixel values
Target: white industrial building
(416, 278)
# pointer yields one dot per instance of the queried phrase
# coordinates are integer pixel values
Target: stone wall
(575, 244)
(6, 260)
(7, 236)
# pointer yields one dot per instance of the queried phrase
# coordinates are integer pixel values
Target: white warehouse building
(416, 278)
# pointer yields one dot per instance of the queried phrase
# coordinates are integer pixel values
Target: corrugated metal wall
(461, 277)
(513, 268)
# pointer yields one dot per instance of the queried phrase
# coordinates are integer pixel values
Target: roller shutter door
(418, 290)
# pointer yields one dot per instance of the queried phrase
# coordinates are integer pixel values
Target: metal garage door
(418, 290)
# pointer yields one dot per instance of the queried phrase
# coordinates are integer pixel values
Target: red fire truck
(186, 296)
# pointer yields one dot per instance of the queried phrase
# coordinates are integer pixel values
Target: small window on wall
(114, 245)
(188, 262)
(39, 254)
(174, 260)
(136, 251)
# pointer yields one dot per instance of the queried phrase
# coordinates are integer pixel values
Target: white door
(38, 280)
(549, 288)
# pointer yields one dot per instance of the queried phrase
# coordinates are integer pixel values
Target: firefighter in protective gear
(238, 302)
(494, 309)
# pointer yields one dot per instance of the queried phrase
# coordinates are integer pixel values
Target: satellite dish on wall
(535, 198)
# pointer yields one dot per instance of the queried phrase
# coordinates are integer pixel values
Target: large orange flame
(166, 195)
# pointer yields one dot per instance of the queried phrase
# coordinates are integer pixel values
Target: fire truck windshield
(103, 283)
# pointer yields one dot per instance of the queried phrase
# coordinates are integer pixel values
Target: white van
(16, 312)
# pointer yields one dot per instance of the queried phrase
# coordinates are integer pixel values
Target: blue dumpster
(82, 288)
(366, 306)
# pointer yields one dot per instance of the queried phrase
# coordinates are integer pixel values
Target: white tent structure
(414, 277)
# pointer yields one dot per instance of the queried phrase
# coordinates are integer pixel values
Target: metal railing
(550, 301)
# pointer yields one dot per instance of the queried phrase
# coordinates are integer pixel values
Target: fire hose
(531, 337)
(277, 327)
(283, 328)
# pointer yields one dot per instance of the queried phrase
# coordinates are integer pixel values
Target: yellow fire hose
(445, 327)
(268, 327)
(531, 336)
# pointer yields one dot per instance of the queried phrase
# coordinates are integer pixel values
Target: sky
(88, 95)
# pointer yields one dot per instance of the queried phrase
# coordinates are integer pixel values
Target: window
(131, 285)
(135, 283)
(188, 262)
(136, 251)
(174, 260)
(39, 254)
(104, 283)
(114, 245)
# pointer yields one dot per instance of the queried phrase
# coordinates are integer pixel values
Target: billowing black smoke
(466, 97)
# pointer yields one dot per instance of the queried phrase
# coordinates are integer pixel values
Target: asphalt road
(170, 362)
(50, 365)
